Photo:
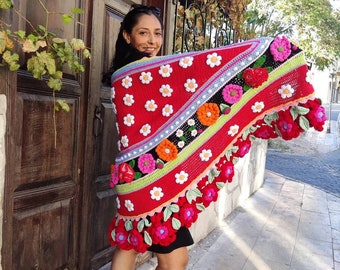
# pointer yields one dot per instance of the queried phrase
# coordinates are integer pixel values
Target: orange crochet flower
(208, 113)
(166, 150)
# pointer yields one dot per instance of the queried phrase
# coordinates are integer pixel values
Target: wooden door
(43, 181)
(98, 204)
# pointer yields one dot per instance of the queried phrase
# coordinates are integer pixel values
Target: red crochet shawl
(185, 119)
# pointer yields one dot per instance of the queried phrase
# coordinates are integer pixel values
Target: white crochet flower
(129, 205)
(186, 62)
(165, 70)
(233, 130)
(191, 122)
(150, 105)
(181, 177)
(118, 202)
(145, 130)
(127, 82)
(129, 120)
(128, 100)
(166, 90)
(113, 93)
(179, 133)
(156, 193)
(286, 91)
(124, 141)
(205, 155)
(167, 110)
(190, 85)
(213, 60)
(181, 144)
(257, 107)
(145, 77)
(194, 133)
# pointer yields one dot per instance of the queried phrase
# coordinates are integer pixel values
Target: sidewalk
(284, 225)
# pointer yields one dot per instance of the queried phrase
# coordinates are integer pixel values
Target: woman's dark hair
(125, 53)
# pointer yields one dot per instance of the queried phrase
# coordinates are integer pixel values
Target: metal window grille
(201, 25)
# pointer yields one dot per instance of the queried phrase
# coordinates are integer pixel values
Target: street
(307, 164)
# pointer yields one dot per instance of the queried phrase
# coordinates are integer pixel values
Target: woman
(184, 120)
(141, 35)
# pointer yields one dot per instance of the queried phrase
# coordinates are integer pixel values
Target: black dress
(183, 239)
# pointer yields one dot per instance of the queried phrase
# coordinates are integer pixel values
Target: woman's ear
(126, 36)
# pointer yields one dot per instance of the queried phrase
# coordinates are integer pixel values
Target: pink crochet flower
(280, 49)
(146, 163)
(232, 93)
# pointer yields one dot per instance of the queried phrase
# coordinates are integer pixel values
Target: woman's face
(146, 36)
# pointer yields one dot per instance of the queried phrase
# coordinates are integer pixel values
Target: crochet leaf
(192, 194)
(304, 123)
(212, 174)
(220, 185)
(172, 208)
(259, 62)
(176, 223)
(128, 225)
(140, 225)
(200, 206)
(147, 238)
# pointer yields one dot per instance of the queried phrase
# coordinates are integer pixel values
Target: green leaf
(6, 4)
(35, 67)
(147, 222)
(132, 163)
(304, 123)
(67, 18)
(63, 105)
(113, 234)
(246, 87)
(11, 60)
(174, 208)
(137, 175)
(147, 238)
(235, 160)
(176, 223)
(42, 28)
(300, 110)
(294, 113)
(128, 225)
(77, 11)
(21, 34)
(87, 53)
(259, 62)
(268, 119)
(224, 107)
(200, 206)
(54, 83)
(58, 40)
(140, 225)
(167, 213)
(220, 185)
(269, 69)
(192, 194)
(77, 44)
(212, 174)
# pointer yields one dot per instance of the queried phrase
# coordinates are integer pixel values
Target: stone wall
(249, 177)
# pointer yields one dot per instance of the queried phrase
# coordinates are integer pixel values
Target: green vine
(46, 54)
